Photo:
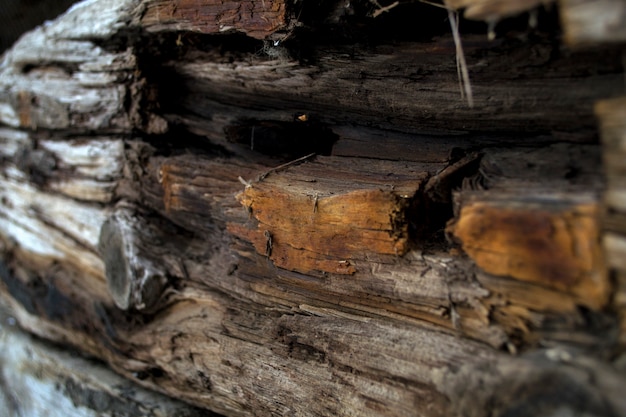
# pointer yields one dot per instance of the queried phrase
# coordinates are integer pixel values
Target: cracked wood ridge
(286, 208)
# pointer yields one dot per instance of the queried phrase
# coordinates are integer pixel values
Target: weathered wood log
(320, 229)
(40, 379)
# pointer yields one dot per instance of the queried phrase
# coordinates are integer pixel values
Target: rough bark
(315, 223)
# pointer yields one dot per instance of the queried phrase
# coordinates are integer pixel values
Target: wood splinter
(134, 280)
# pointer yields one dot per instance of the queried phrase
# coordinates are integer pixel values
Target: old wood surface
(611, 115)
(316, 223)
(39, 379)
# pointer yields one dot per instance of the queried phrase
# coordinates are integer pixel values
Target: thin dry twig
(382, 9)
(285, 165)
(464, 80)
(465, 85)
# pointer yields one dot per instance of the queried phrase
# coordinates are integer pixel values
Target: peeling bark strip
(255, 18)
(316, 223)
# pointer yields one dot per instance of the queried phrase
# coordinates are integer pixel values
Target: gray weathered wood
(39, 379)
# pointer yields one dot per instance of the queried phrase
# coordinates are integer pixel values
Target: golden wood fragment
(558, 248)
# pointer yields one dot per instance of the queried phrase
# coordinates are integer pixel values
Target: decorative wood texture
(333, 233)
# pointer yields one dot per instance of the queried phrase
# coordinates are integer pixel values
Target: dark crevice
(179, 141)
(17, 17)
(288, 140)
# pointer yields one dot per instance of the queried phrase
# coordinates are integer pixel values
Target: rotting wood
(540, 239)
(38, 379)
(421, 328)
(303, 210)
(344, 84)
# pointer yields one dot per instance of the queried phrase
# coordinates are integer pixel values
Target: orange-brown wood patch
(305, 224)
(557, 248)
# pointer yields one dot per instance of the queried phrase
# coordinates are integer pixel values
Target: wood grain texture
(302, 210)
(38, 378)
(257, 19)
(101, 198)
(416, 85)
